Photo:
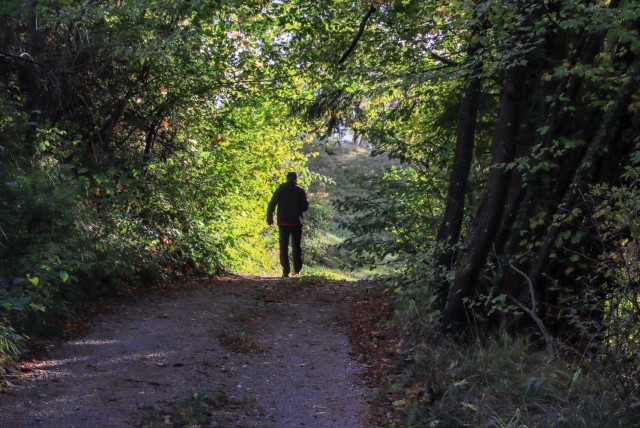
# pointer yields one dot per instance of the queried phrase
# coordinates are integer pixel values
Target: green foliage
(616, 330)
(139, 142)
(391, 223)
(44, 242)
(344, 171)
(318, 240)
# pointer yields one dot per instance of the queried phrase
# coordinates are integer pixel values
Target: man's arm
(271, 208)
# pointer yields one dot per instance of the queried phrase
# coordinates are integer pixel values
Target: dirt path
(234, 351)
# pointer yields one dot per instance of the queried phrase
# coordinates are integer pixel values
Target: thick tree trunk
(449, 231)
(489, 214)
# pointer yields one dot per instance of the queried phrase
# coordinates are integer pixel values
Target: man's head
(292, 177)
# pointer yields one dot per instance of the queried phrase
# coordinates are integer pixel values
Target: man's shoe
(285, 275)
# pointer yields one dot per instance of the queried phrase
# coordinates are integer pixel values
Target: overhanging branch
(443, 60)
(354, 42)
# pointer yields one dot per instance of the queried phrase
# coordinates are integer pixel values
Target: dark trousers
(295, 232)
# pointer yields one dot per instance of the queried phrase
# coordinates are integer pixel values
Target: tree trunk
(490, 211)
(449, 231)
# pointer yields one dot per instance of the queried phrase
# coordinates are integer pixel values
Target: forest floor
(233, 351)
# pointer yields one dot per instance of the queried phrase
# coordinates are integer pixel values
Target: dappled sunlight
(64, 404)
(102, 364)
(126, 357)
(92, 342)
(47, 369)
(48, 364)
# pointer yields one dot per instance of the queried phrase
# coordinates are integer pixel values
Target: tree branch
(354, 42)
(25, 57)
(444, 60)
(532, 313)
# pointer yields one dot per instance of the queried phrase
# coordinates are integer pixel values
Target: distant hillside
(349, 166)
(349, 169)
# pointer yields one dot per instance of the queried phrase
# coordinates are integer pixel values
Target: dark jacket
(291, 200)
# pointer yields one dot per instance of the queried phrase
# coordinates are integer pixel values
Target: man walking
(291, 201)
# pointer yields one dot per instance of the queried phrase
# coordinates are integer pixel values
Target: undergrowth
(503, 383)
(10, 347)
